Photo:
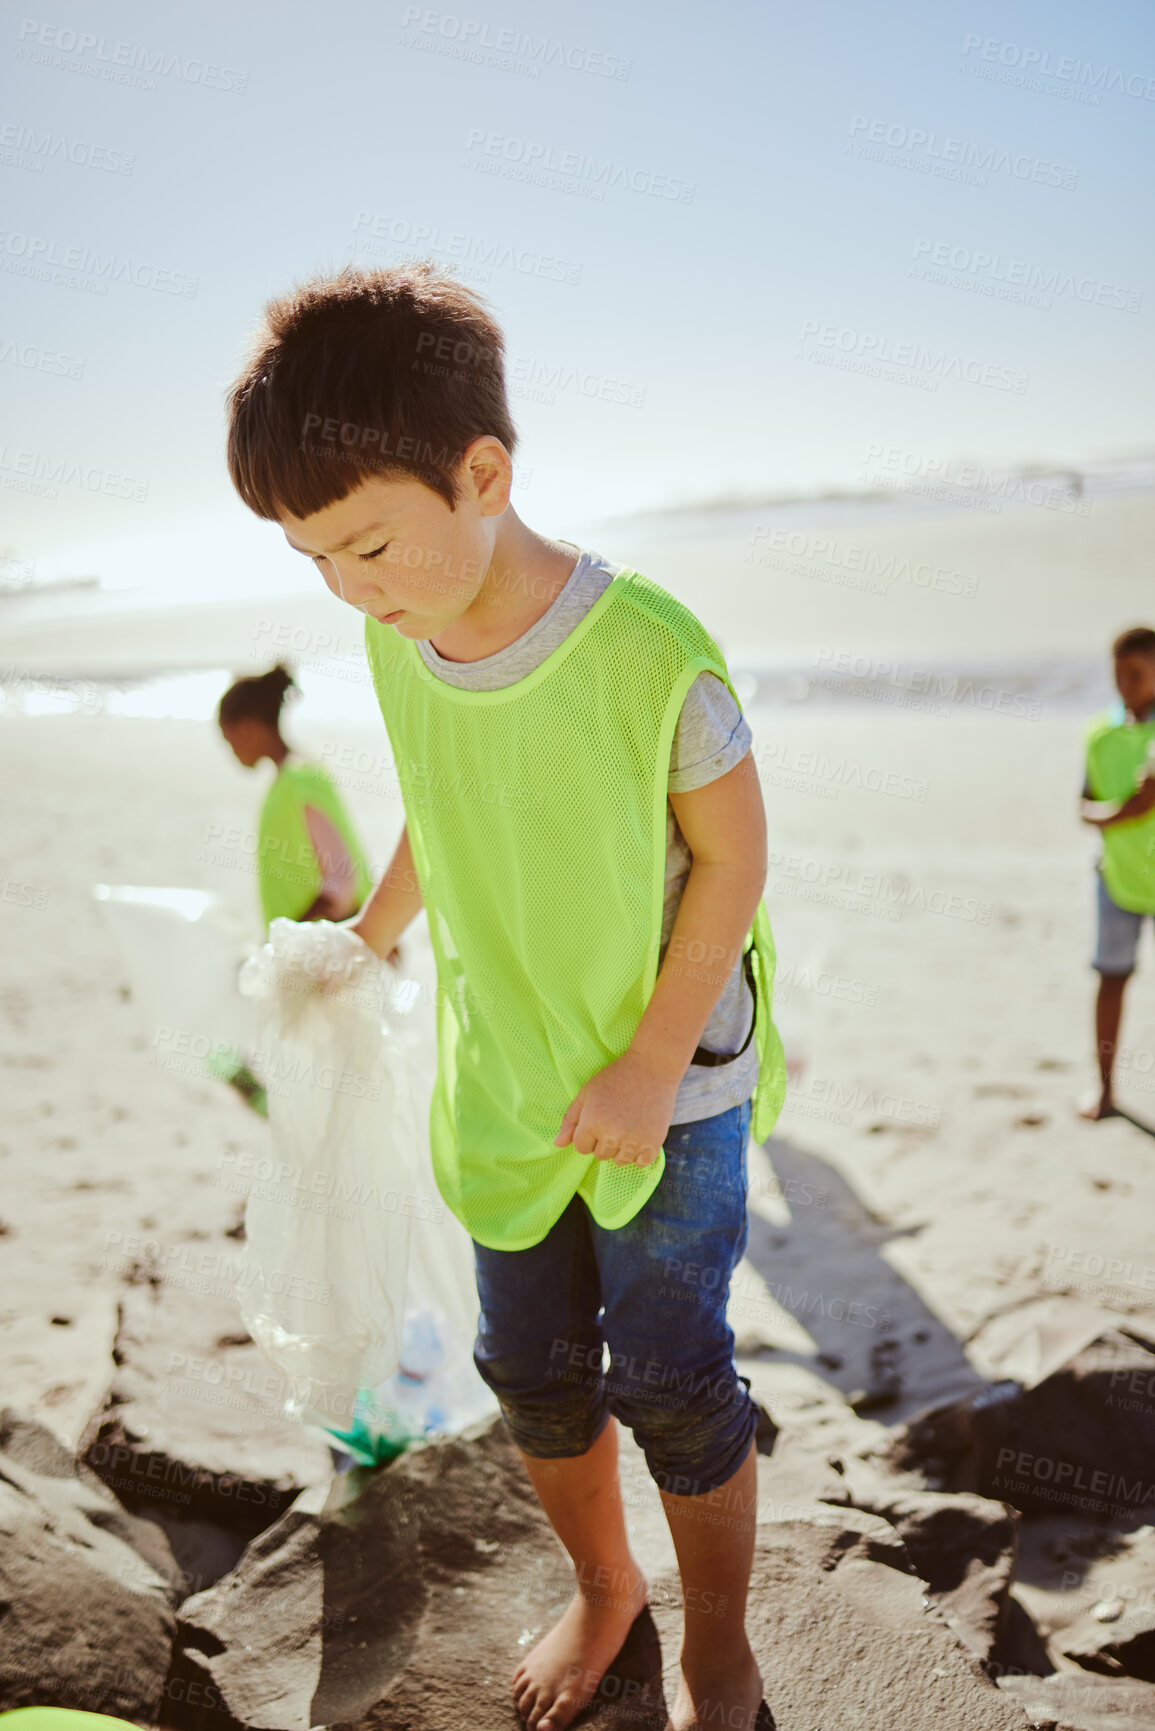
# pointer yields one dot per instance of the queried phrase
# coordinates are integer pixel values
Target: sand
(930, 892)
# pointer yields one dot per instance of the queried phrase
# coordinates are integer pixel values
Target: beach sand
(930, 893)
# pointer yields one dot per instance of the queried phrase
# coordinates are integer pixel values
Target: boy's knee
(694, 1443)
(554, 1429)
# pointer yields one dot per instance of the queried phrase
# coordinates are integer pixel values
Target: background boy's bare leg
(1108, 1016)
(582, 1496)
(714, 1538)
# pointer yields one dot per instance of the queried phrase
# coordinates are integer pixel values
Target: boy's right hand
(622, 1114)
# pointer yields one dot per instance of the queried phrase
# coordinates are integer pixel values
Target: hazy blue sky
(739, 201)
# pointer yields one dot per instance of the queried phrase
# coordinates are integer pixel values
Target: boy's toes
(525, 1698)
(560, 1712)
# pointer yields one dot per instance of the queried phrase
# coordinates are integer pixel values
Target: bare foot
(1097, 1106)
(560, 1676)
(725, 1691)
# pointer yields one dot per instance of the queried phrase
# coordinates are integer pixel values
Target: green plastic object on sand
(228, 1066)
(373, 1442)
(59, 1719)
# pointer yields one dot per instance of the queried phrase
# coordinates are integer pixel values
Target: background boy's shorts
(654, 1291)
(1117, 938)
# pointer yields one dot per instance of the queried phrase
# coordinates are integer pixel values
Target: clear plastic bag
(358, 1282)
(327, 1231)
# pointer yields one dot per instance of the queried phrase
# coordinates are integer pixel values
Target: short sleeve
(712, 736)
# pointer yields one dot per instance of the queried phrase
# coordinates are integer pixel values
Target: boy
(1119, 800)
(581, 811)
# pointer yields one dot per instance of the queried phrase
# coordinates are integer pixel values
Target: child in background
(310, 864)
(1119, 800)
(584, 826)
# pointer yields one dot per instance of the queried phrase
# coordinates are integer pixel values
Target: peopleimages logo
(477, 39)
(935, 153)
(570, 170)
(82, 267)
(22, 147)
(37, 473)
(119, 62)
(842, 345)
(1014, 279)
(39, 360)
(825, 555)
(464, 250)
(1039, 63)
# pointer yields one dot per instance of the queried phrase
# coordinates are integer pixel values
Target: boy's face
(1135, 681)
(394, 549)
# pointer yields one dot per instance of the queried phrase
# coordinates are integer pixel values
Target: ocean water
(925, 597)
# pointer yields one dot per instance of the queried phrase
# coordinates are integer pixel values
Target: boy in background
(1119, 800)
(585, 830)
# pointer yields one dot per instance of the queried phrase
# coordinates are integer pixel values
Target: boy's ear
(486, 474)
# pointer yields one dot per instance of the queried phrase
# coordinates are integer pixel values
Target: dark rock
(1070, 1702)
(402, 1589)
(1021, 1648)
(22, 1439)
(1124, 1644)
(192, 1432)
(847, 1637)
(1081, 1438)
(87, 1589)
(963, 1546)
(766, 1433)
(400, 1599)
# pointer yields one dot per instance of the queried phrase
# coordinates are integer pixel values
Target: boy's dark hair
(369, 372)
(259, 697)
(1139, 640)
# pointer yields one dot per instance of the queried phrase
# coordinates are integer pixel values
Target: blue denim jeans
(654, 1292)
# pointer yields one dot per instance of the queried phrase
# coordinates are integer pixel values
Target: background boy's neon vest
(1116, 749)
(288, 871)
(537, 820)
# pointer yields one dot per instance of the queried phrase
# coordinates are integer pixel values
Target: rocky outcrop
(963, 1546)
(1066, 1702)
(1115, 1636)
(86, 1589)
(1080, 1439)
(402, 1598)
(390, 1592)
(191, 1433)
(399, 1599)
(848, 1636)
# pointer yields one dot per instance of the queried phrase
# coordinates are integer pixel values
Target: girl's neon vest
(288, 870)
(537, 821)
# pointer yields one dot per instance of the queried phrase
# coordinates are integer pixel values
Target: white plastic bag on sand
(182, 949)
(359, 1283)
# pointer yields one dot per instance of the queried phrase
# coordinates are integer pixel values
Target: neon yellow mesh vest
(288, 871)
(1116, 749)
(537, 820)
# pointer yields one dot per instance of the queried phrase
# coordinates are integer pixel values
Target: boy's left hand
(622, 1114)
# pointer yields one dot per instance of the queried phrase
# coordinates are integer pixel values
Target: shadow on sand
(877, 1341)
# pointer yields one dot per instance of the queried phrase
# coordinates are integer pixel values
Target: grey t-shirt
(710, 738)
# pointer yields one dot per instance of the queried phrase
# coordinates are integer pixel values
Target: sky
(748, 249)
